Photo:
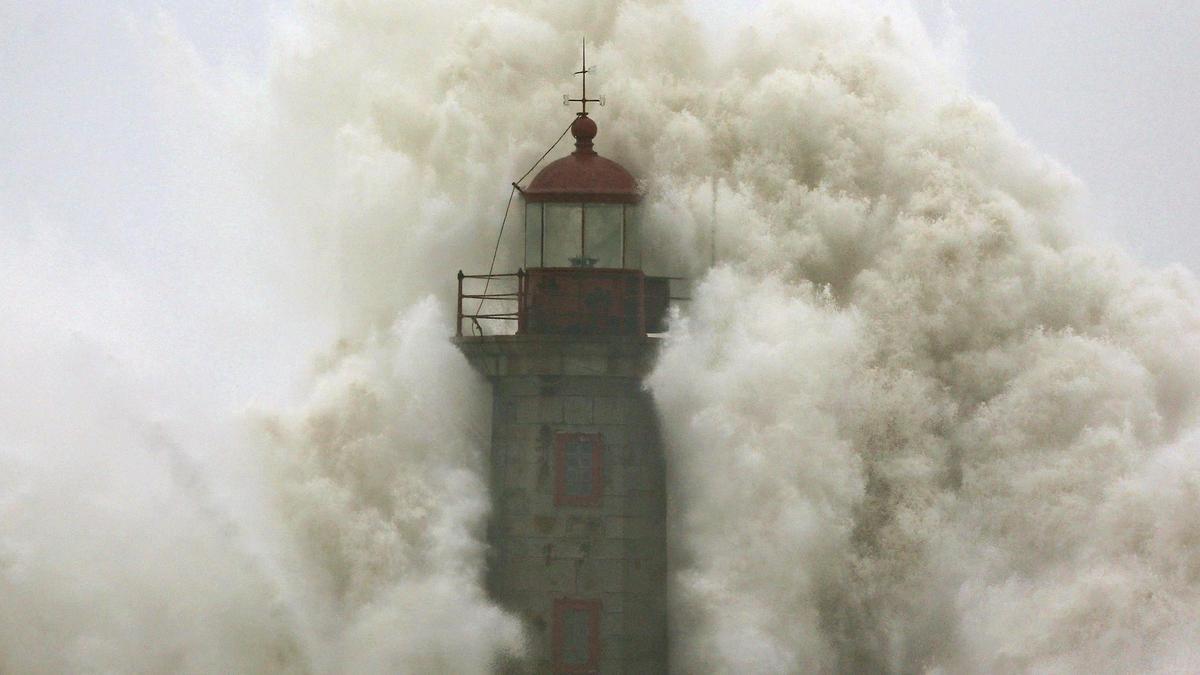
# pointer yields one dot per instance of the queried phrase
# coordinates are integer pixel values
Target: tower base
(577, 533)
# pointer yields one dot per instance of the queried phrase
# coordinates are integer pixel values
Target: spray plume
(914, 421)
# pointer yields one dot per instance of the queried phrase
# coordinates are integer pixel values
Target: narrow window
(633, 237)
(602, 234)
(533, 235)
(576, 636)
(579, 469)
(562, 241)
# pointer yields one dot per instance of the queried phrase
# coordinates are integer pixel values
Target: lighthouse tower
(577, 532)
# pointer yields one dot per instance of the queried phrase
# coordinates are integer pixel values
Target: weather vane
(583, 100)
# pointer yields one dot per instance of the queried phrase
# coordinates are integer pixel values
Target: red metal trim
(593, 608)
(561, 498)
(588, 271)
(583, 301)
(583, 197)
(583, 177)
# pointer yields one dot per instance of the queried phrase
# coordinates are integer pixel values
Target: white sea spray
(915, 419)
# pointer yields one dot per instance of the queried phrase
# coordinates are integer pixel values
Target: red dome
(583, 176)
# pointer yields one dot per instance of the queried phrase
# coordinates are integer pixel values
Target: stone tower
(577, 533)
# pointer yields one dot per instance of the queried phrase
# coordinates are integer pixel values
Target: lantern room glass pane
(633, 237)
(563, 244)
(602, 234)
(533, 235)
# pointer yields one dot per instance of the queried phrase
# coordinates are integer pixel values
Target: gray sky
(1108, 87)
(1111, 88)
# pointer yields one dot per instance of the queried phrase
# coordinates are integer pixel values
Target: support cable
(515, 187)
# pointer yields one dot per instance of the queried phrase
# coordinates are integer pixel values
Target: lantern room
(582, 251)
(582, 210)
(583, 254)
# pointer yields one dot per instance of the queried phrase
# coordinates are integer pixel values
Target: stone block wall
(613, 551)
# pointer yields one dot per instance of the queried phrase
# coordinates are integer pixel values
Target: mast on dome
(583, 99)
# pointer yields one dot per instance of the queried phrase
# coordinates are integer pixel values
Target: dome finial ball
(584, 130)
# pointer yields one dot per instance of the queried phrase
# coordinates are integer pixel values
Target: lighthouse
(577, 536)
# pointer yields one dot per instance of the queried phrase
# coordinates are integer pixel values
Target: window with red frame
(576, 636)
(578, 469)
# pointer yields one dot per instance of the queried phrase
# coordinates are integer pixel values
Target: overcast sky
(1108, 87)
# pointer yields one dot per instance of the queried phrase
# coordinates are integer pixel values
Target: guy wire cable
(507, 207)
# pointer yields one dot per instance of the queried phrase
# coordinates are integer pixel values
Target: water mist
(915, 421)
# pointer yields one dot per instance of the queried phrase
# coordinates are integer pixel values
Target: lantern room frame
(538, 221)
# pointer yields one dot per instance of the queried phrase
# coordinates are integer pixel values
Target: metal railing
(485, 308)
(509, 304)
